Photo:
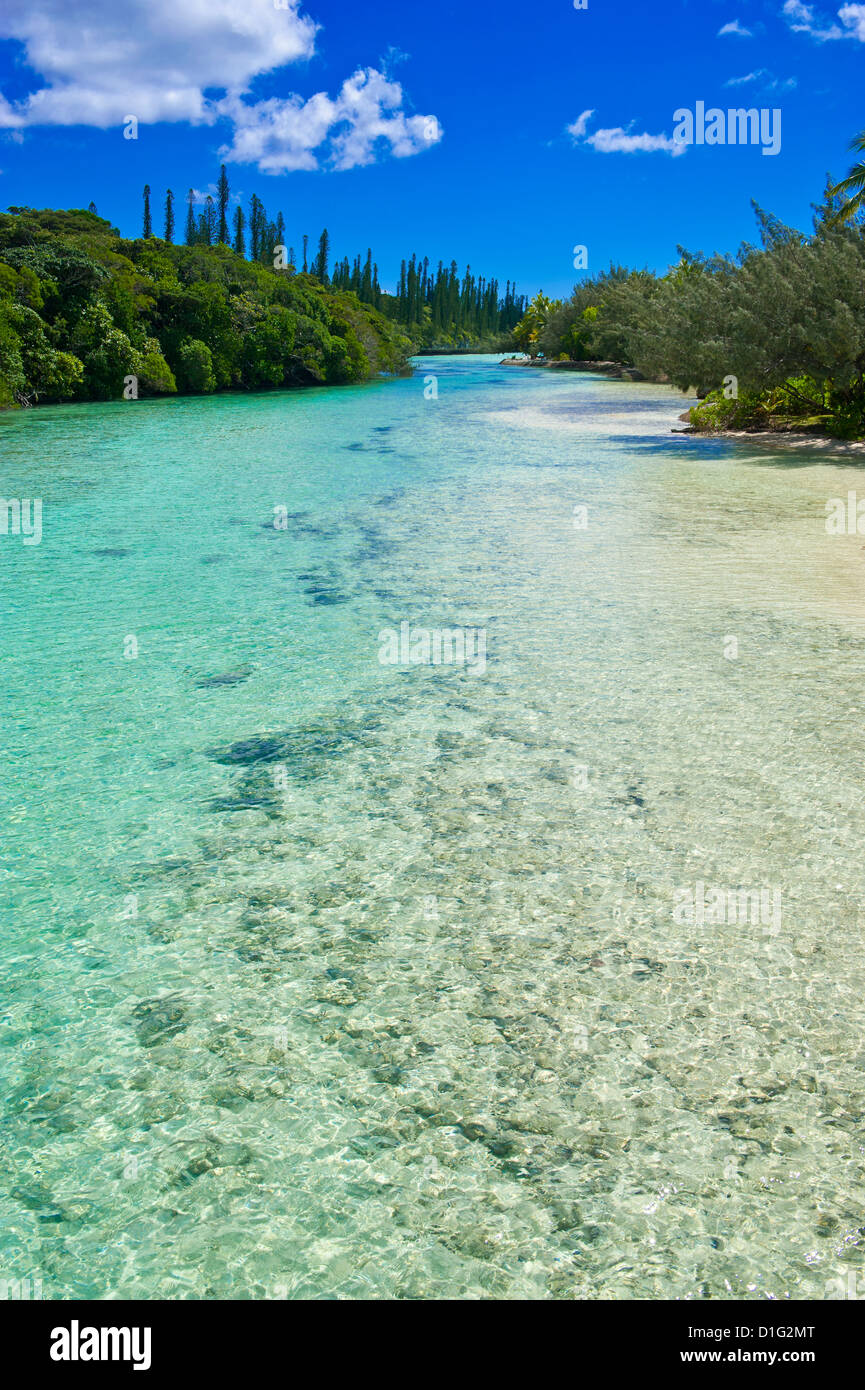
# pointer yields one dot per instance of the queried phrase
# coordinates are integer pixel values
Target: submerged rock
(236, 677)
(159, 1019)
(327, 596)
(261, 748)
(295, 517)
(374, 545)
(305, 751)
(241, 803)
(38, 1200)
(255, 791)
(152, 868)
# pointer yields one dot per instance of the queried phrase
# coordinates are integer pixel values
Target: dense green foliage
(772, 337)
(83, 310)
(440, 310)
(86, 314)
(435, 308)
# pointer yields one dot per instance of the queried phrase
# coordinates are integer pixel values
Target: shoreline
(616, 370)
(787, 439)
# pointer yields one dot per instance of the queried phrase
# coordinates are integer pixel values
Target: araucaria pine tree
(223, 196)
(239, 239)
(147, 228)
(169, 216)
(207, 222)
(321, 260)
(257, 220)
(191, 236)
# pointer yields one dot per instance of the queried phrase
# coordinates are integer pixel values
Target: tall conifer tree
(321, 260)
(191, 233)
(207, 222)
(239, 238)
(169, 216)
(257, 222)
(223, 196)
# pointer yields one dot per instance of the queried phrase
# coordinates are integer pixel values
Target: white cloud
(150, 58)
(370, 108)
(853, 17)
(279, 135)
(195, 61)
(578, 129)
(767, 81)
(617, 140)
(802, 19)
(734, 27)
(284, 134)
(798, 13)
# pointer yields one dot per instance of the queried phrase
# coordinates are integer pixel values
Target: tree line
(435, 307)
(444, 307)
(772, 337)
(86, 314)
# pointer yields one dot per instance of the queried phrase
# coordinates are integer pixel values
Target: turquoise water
(328, 978)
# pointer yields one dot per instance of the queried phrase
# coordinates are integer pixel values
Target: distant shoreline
(617, 370)
(456, 352)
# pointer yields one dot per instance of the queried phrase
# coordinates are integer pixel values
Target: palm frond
(853, 184)
(854, 181)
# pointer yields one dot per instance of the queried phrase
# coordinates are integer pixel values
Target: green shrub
(195, 368)
(155, 377)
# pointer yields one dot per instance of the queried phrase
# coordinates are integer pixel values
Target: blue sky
(442, 128)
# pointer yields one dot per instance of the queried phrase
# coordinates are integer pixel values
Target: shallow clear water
(396, 1002)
